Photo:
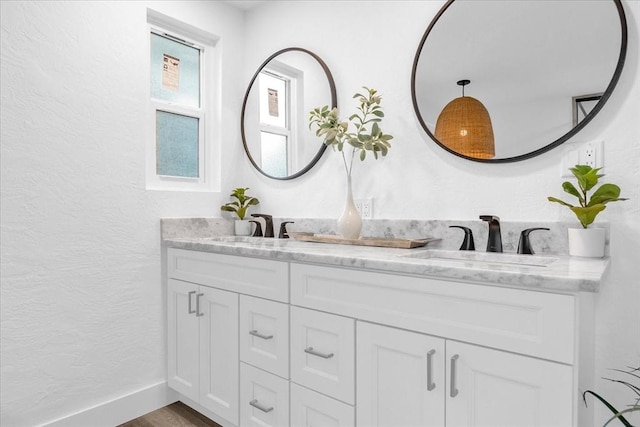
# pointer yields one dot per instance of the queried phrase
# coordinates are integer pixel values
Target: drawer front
(311, 409)
(323, 353)
(264, 398)
(252, 276)
(264, 334)
(534, 323)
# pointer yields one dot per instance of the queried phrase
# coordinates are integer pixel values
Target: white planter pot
(242, 227)
(586, 242)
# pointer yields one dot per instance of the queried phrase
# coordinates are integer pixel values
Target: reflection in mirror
(285, 88)
(528, 61)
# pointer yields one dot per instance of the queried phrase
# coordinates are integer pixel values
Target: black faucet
(268, 224)
(494, 241)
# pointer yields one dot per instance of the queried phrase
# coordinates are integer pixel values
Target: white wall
(420, 180)
(81, 303)
(82, 306)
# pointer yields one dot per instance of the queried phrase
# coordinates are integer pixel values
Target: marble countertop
(542, 272)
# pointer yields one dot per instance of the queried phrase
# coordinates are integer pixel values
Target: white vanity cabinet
(261, 342)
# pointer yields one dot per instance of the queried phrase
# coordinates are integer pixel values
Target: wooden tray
(364, 241)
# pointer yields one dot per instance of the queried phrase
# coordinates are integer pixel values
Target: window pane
(175, 71)
(176, 145)
(273, 100)
(274, 154)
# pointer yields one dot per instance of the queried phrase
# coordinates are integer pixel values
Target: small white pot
(242, 227)
(586, 242)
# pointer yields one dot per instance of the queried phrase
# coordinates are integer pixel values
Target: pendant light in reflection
(464, 126)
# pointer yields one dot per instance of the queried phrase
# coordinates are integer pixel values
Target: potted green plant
(585, 241)
(368, 137)
(239, 207)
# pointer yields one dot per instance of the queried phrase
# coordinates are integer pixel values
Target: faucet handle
(467, 243)
(489, 218)
(524, 244)
(283, 230)
(258, 231)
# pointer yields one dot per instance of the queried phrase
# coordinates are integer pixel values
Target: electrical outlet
(591, 154)
(364, 207)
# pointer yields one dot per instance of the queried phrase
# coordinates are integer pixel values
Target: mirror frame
(334, 104)
(605, 95)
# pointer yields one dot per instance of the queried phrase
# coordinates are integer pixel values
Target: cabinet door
(400, 378)
(487, 387)
(218, 311)
(182, 338)
(264, 334)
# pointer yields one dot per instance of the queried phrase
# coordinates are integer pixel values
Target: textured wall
(420, 180)
(82, 305)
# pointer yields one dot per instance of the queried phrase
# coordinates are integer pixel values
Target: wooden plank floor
(175, 415)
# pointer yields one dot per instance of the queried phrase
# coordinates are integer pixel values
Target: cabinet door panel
(496, 388)
(264, 334)
(396, 386)
(219, 352)
(182, 339)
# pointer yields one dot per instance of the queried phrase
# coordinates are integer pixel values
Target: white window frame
(209, 135)
(293, 79)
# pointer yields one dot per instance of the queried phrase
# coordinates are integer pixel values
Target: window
(278, 98)
(183, 149)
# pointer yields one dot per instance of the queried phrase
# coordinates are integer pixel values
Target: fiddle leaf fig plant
(588, 207)
(368, 135)
(241, 204)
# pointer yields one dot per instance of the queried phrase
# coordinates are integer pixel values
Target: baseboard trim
(121, 409)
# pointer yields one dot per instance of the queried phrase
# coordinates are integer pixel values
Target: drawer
(311, 409)
(528, 322)
(251, 276)
(323, 352)
(264, 334)
(264, 398)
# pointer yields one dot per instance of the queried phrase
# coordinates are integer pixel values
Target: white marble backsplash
(553, 241)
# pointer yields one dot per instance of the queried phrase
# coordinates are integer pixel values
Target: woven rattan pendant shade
(464, 126)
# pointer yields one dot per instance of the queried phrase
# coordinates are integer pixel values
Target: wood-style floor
(175, 415)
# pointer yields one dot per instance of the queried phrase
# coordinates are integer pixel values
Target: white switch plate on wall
(584, 153)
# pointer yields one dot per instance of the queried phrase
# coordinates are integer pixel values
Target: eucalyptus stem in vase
(368, 137)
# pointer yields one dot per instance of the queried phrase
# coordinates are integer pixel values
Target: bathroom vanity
(274, 332)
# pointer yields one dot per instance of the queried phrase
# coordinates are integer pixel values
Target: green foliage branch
(368, 136)
(634, 407)
(589, 207)
(241, 204)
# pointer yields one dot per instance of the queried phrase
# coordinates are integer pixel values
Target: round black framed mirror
(543, 70)
(275, 135)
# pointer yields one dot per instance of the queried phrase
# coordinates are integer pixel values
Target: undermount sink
(485, 257)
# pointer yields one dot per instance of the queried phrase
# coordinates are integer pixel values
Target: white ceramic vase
(586, 242)
(349, 223)
(242, 227)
